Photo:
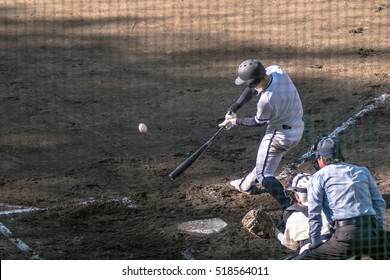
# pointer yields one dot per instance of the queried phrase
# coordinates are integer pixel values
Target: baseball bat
(192, 158)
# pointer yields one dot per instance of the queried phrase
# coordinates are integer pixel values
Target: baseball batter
(280, 108)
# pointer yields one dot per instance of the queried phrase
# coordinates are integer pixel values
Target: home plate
(205, 226)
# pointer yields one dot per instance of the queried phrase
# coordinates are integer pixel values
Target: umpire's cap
(328, 147)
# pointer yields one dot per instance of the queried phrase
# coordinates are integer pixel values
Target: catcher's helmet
(300, 182)
(251, 72)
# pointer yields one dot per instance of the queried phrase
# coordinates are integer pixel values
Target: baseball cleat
(240, 185)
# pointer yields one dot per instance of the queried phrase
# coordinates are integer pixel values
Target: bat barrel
(188, 162)
(192, 158)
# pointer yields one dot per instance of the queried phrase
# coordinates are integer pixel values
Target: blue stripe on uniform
(267, 154)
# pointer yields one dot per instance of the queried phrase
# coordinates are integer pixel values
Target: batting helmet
(251, 72)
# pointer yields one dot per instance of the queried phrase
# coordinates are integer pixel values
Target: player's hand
(230, 116)
(228, 124)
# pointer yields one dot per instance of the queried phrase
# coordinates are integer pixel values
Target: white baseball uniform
(280, 108)
(297, 230)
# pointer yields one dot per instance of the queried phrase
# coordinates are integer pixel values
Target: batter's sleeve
(245, 96)
(248, 122)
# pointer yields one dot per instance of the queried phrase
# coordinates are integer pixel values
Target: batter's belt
(295, 125)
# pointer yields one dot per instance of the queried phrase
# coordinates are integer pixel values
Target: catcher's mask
(250, 72)
(326, 147)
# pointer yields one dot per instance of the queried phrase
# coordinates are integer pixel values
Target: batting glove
(230, 116)
(228, 124)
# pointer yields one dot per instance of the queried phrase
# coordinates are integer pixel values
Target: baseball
(142, 128)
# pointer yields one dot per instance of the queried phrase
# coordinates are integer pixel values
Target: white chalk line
(17, 209)
(352, 120)
(18, 243)
(124, 201)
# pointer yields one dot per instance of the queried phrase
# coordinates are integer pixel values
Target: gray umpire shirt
(343, 191)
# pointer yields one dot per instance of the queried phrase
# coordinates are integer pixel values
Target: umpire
(352, 203)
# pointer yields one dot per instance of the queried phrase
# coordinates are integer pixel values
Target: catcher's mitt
(259, 223)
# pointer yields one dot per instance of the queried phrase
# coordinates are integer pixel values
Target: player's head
(328, 149)
(250, 72)
(299, 185)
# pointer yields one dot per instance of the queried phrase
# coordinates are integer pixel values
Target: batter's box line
(125, 201)
(18, 243)
(17, 209)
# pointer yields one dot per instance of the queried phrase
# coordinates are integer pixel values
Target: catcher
(295, 217)
(296, 233)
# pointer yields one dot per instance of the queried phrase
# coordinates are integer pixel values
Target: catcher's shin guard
(276, 190)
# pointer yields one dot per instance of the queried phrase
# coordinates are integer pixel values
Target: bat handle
(218, 132)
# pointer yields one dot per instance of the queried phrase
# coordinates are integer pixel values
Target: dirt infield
(77, 77)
